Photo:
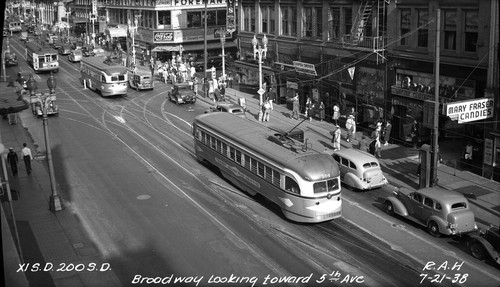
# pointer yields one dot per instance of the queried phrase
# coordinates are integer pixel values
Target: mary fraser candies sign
(470, 110)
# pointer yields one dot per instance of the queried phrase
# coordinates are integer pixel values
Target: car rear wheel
(477, 250)
(433, 229)
(389, 208)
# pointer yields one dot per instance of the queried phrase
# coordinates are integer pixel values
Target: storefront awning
(172, 48)
(213, 45)
(116, 32)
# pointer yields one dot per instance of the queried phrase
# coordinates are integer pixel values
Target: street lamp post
(55, 203)
(223, 41)
(260, 50)
(7, 50)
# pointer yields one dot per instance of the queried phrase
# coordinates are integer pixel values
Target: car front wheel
(433, 229)
(389, 208)
(477, 250)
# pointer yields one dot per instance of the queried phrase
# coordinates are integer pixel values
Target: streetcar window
(232, 153)
(260, 166)
(291, 185)
(246, 158)
(319, 187)
(238, 156)
(253, 164)
(269, 174)
(276, 178)
(333, 184)
(224, 149)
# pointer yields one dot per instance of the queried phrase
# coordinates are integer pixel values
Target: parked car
(75, 55)
(485, 244)
(359, 169)
(65, 49)
(56, 44)
(234, 109)
(11, 59)
(86, 51)
(442, 211)
(98, 52)
(181, 93)
(51, 38)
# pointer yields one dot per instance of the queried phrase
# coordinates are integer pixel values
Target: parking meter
(425, 166)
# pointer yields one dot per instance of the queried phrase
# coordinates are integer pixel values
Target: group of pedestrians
(12, 159)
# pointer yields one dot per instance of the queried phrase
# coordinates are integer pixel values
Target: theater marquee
(470, 110)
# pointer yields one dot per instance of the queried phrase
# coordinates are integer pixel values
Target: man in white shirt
(27, 157)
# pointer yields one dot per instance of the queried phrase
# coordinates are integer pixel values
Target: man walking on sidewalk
(12, 159)
(27, 157)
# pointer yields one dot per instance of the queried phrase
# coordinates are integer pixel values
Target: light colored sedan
(75, 55)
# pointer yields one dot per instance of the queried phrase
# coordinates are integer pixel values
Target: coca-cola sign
(163, 36)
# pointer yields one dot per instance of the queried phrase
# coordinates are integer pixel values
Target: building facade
(378, 57)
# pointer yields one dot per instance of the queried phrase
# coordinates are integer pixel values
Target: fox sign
(470, 110)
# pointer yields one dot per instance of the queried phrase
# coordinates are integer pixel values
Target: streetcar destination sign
(470, 110)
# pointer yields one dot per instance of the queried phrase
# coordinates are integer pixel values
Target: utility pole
(435, 134)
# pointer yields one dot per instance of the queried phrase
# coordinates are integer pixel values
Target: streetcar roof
(36, 48)
(98, 63)
(310, 165)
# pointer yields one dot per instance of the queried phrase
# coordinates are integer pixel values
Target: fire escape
(357, 39)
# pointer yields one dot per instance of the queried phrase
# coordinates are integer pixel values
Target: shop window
(450, 30)
(471, 31)
(211, 18)
(423, 31)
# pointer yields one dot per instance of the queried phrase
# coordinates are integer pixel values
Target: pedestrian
(296, 106)
(387, 132)
(336, 138)
(223, 91)
(378, 133)
(468, 151)
(266, 110)
(350, 126)
(12, 159)
(217, 94)
(27, 157)
(309, 109)
(336, 113)
(321, 111)
(415, 133)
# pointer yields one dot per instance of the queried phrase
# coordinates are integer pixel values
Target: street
(126, 168)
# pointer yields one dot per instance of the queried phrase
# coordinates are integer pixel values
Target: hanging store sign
(305, 68)
(292, 85)
(470, 110)
(230, 16)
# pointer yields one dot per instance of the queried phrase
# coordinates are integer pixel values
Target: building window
(471, 31)
(268, 24)
(423, 31)
(293, 30)
(272, 22)
(450, 30)
(333, 23)
(194, 19)
(311, 22)
(405, 26)
(347, 20)
(249, 18)
(211, 18)
(285, 18)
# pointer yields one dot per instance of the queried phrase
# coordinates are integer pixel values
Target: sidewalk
(399, 163)
(45, 237)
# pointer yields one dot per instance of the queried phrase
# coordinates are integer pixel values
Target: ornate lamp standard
(55, 202)
(261, 51)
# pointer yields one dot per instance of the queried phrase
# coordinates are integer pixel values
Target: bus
(303, 183)
(104, 77)
(140, 79)
(42, 59)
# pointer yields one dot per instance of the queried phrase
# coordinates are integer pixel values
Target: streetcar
(303, 183)
(41, 58)
(15, 26)
(104, 77)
